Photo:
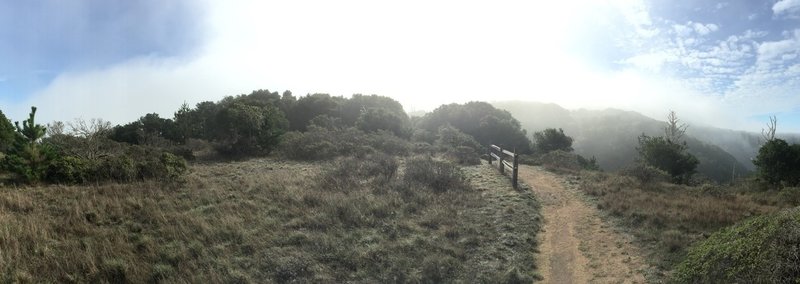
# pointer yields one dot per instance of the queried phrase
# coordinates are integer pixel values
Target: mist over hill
(610, 135)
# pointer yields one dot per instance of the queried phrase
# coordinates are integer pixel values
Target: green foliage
(451, 138)
(28, 159)
(778, 163)
(69, 170)
(248, 129)
(374, 119)
(351, 109)
(7, 133)
(763, 249)
(485, 123)
(440, 176)
(309, 107)
(551, 139)
(321, 144)
(646, 174)
(668, 156)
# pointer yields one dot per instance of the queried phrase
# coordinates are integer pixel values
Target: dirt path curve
(576, 245)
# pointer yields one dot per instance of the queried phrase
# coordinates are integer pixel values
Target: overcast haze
(728, 64)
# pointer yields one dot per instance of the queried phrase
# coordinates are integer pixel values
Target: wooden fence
(496, 153)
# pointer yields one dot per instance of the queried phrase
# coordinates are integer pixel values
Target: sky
(729, 64)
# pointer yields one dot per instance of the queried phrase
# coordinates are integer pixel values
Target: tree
(374, 119)
(674, 130)
(668, 156)
(551, 139)
(481, 120)
(769, 133)
(28, 159)
(6, 133)
(778, 163)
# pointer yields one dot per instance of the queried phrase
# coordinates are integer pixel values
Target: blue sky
(722, 63)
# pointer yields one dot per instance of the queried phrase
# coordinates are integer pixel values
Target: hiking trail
(576, 245)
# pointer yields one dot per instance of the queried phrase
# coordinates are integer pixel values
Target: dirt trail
(576, 245)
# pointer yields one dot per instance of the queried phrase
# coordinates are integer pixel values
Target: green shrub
(69, 170)
(790, 195)
(763, 249)
(438, 175)
(646, 173)
(463, 155)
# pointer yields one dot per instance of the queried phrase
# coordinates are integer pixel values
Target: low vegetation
(376, 219)
(763, 249)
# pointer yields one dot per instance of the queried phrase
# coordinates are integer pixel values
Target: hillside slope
(611, 136)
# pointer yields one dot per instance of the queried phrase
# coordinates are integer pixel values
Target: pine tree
(27, 158)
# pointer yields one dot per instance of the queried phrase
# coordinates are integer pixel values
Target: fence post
(516, 170)
(490, 155)
(502, 166)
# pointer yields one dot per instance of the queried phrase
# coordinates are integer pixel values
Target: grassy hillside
(611, 136)
(668, 219)
(264, 220)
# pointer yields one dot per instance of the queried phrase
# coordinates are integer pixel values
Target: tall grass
(668, 218)
(264, 221)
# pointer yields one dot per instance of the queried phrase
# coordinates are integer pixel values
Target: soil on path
(576, 245)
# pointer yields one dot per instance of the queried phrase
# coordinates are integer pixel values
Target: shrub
(779, 163)
(790, 195)
(646, 173)
(321, 144)
(669, 156)
(552, 139)
(463, 155)
(69, 170)
(438, 175)
(28, 159)
(763, 249)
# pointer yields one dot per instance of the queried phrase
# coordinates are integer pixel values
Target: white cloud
(421, 53)
(704, 29)
(786, 6)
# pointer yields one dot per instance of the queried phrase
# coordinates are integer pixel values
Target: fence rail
(502, 157)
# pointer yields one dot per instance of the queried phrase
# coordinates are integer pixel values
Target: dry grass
(269, 221)
(667, 218)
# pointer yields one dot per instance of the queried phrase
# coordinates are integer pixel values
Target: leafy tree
(778, 162)
(309, 107)
(248, 129)
(351, 109)
(481, 120)
(552, 139)
(374, 119)
(6, 133)
(668, 156)
(28, 159)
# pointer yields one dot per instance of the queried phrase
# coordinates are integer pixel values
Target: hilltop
(610, 135)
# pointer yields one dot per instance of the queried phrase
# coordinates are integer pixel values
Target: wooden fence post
(490, 158)
(516, 170)
(502, 166)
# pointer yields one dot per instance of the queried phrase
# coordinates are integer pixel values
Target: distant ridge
(611, 136)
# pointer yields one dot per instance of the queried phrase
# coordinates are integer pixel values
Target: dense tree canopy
(481, 120)
(6, 132)
(552, 139)
(668, 156)
(779, 163)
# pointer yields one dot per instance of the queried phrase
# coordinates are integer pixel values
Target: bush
(463, 155)
(646, 173)
(778, 163)
(669, 156)
(438, 175)
(322, 144)
(790, 195)
(763, 249)
(552, 139)
(69, 170)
